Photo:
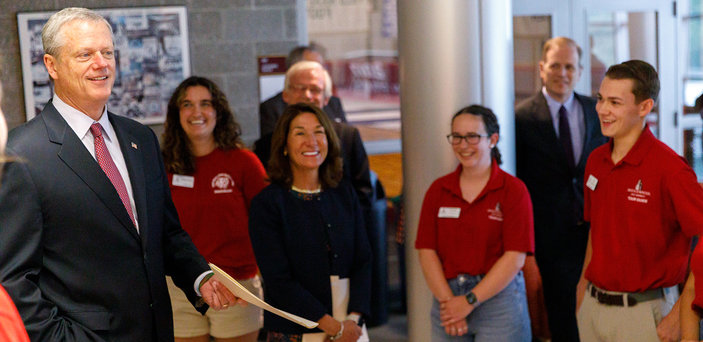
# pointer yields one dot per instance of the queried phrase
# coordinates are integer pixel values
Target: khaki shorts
(231, 322)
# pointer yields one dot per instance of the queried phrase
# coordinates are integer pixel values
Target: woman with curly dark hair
(213, 180)
(308, 233)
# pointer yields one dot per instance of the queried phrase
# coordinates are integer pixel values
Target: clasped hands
(218, 296)
(453, 312)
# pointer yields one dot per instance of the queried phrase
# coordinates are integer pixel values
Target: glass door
(617, 31)
(608, 32)
(533, 24)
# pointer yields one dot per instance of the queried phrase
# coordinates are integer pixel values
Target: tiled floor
(396, 330)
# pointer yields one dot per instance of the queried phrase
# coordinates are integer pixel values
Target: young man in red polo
(644, 204)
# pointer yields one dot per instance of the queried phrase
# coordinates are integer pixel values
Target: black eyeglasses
(471, 138)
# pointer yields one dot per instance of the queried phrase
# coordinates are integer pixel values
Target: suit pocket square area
(93, 320)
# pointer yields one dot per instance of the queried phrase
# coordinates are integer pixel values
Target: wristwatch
(471, 298)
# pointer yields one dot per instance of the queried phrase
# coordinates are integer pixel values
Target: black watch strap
(471, 298)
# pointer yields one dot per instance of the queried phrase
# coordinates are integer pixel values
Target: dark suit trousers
(559, 279)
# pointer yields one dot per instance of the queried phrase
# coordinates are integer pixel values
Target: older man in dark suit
(556, 130)
(88, 226)
(271, 109)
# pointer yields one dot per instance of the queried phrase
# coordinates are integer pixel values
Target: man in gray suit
(88, 226)
(556, 130)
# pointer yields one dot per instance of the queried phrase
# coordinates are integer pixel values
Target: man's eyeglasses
(471, 138)
(302, 88)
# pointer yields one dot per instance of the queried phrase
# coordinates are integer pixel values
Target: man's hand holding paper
(218, 296)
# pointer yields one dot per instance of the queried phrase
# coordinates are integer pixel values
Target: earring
(285, 153)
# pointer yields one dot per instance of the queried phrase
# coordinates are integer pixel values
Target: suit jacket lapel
(76, 157)
(590, 118)
(546, 127)
(135, 166)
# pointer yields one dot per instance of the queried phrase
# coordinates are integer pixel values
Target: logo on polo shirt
(222, 183)
(637, 194)
(495, 214)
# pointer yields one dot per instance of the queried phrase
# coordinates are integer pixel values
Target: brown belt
(625, 299)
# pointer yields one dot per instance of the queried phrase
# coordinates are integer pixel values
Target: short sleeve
(518, 220)
(686, 197)
(427, 227)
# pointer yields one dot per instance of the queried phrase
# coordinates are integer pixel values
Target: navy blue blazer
(70, 257)
(289, 238)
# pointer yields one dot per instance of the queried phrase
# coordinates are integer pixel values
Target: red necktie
(108, 166)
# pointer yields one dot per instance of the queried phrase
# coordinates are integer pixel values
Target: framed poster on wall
(151, 57)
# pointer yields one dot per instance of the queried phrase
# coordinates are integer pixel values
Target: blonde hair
(560, 41)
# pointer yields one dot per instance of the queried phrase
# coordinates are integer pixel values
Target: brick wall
(225, 37)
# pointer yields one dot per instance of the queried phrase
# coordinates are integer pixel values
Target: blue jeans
(503, 317)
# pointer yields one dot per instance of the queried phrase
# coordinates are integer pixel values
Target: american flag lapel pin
(134, 146)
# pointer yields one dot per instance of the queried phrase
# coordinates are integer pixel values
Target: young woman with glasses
(475, 230)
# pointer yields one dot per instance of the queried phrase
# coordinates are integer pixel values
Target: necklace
(305, 191)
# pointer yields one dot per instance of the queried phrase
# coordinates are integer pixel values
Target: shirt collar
(639, 150)
(496, 181)
(80, 122)
(554, 105)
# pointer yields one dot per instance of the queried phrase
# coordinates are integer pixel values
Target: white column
(642, 30)
(301, 10)
(443, 67)
(497, 73)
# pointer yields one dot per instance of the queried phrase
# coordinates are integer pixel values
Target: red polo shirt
(470, 237)
(11, 325)
(213, 207)
(643, 212)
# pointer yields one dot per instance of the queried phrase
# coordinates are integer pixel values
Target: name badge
(183, 181)
(449, 212)
(592, 182)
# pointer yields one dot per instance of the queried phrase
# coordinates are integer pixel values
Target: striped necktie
(109, 167)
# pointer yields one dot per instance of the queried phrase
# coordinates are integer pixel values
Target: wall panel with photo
(151, 55)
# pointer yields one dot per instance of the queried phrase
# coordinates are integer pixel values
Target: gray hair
(308, 65)
(51, 35)
(296, 55)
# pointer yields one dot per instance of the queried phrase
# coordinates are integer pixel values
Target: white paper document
(340, 302)
(241, 292)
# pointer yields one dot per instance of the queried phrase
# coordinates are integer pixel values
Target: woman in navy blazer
(306, 227)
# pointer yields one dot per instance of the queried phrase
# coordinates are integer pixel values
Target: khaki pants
(600, 322)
